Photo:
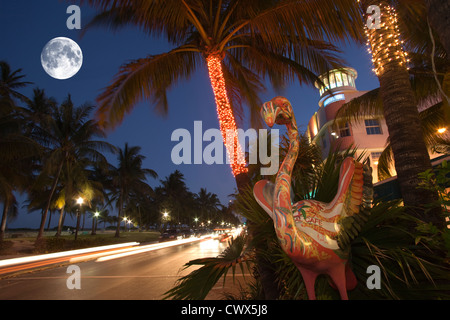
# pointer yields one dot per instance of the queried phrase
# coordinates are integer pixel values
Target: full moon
(61, 58)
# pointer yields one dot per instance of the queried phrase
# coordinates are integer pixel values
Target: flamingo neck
(282, 192)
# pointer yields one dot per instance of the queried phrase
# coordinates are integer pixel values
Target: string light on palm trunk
(225, 114)
(385, 43)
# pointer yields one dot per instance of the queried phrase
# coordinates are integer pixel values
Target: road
(143, 276)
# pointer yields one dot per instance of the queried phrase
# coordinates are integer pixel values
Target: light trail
(22, 260)
(150, 247)
(101, 253)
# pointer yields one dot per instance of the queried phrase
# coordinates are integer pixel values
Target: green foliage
(197, 284)
(259, 40)
(413, 262)
(410, 270)
(438, 180)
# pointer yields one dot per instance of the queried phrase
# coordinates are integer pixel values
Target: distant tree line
(55, 153)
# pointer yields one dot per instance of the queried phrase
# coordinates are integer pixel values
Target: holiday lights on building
(384, 43)
(225, 113)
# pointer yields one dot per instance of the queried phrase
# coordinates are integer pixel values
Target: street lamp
(80, 201)
(164, 218)
(94, 222)
(124, 224)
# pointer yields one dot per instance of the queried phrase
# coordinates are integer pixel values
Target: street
(142, 276)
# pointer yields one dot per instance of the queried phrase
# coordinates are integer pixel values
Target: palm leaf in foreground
(197, 284)
(409, 269)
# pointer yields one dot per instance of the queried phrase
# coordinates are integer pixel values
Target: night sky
(26, 26)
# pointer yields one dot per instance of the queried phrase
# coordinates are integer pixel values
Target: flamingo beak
(267, 114)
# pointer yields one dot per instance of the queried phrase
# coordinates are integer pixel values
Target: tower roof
(336, 81)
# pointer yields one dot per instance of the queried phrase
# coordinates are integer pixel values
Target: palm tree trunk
(84, 218)
(60, 222)
(4, 218)
(117, 234)
(228, 129)
(49, 220)
(401, 115)
(93, 225)
(227, 122)
(78, 223)
(44, 215)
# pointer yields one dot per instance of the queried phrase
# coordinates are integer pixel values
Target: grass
(27, 245)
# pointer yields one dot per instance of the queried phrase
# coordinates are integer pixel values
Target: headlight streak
(21, 260)
(101, 253)
(150, 247)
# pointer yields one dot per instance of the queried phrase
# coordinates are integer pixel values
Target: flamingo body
(309, 231)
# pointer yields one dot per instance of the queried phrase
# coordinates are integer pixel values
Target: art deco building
(368, 135)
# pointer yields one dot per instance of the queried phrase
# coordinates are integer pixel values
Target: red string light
(226, 118)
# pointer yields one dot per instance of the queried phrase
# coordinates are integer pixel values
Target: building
(368, 135)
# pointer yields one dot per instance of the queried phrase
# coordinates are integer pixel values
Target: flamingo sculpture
(315, 235)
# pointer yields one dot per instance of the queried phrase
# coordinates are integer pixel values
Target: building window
(373, 126)
(338, 76)
(333, 98)
(375, 157)
(344, 131)
(344, 79)
(332, 81)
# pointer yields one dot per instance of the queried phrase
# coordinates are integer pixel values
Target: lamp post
(165, 217)
(124, 224)
(80, 202)
(94, 222)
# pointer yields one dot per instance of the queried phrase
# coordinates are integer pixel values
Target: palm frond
(152, 17)
(431, 119)
(315, 18)
(197, 284)
(147, 78)
(409, 270)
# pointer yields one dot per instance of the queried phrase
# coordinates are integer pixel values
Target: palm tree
(427, 95)
(400, 111)
(10, 82)
(176, 197)
(68, 138)
(16, 148)
(129, 178)
(239, 42)
(208, 204)
(413, 265)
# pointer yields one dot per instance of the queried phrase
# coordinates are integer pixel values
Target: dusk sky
(26, 26)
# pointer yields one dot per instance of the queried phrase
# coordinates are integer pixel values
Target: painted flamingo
(312, 233)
